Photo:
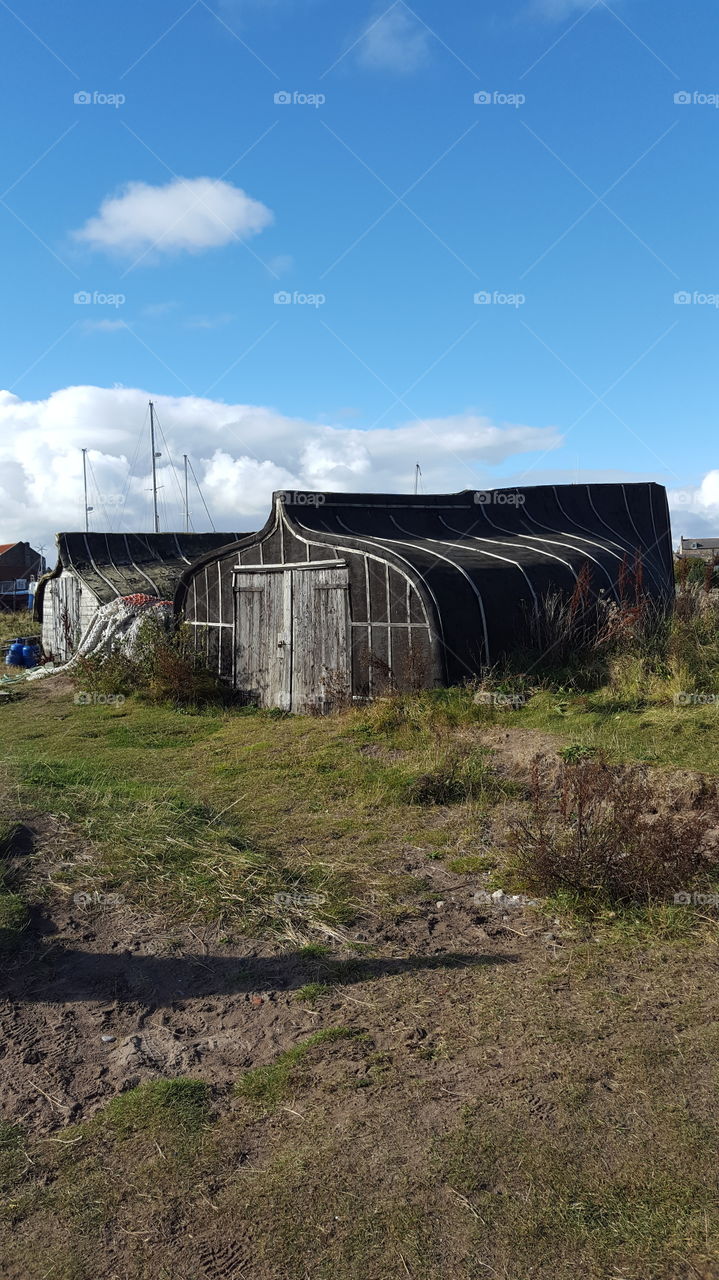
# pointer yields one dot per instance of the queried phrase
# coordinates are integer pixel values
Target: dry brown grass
(598, 834)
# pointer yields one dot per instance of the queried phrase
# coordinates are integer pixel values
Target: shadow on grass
(62, 976)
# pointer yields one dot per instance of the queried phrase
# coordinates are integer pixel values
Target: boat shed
(94, 568)
(345, 596)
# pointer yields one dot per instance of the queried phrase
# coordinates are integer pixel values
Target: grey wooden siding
(321, 659)
(68, 609)
(263, 637)
(382, 640)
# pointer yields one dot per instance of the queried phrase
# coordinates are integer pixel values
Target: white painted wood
(281, 568)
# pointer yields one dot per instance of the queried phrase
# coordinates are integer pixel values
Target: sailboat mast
(84, 487)
(155, 456)
(187, 500)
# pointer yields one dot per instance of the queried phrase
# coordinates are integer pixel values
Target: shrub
(597, 834)
(164, 668)
(693, 645)
(583, 637)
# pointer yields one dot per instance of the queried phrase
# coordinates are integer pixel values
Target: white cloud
(104, 326)
(208, 322)
(187, 214)
(240, 453)
(280, 264)
(155, 310)
(395, 41)
(695, 510)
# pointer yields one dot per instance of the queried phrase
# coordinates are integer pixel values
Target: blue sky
(588, 198)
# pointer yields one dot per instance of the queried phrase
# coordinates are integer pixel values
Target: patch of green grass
(683, 737)
(14, 916)
(13, 625)
(457, 776)
(269, 1085)
(577, 752)
(472, 862)
(11, 1136)
(12, 1162)
(314, 951)
(180, 853)
(547, 1203)
(178, 1107)
(312, 991)
(14, 909)
(221, 813)
(631, 926)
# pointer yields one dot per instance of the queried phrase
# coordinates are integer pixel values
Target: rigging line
(163, 511)
(169, 458)
(199, 490)
(135, 456)
(100, 499)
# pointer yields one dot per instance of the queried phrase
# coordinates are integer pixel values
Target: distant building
(20, 567)
(698, 548)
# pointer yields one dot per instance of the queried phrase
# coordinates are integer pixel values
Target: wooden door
(66, 595)
(321, 676)
(263, 638)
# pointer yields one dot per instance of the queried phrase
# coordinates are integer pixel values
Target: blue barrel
(30, 655)
(14, 656)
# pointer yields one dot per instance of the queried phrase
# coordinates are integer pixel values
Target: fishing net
(116, 626)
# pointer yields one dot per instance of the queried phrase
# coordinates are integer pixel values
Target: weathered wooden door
(321, 677)
(292, 636)
(66, 594)
(263, 635)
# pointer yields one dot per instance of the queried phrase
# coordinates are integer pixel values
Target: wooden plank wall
(68, 608)
(390, 638)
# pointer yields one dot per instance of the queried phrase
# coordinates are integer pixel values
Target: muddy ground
(99, 998)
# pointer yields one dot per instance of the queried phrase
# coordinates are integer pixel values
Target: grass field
(321, 1058)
